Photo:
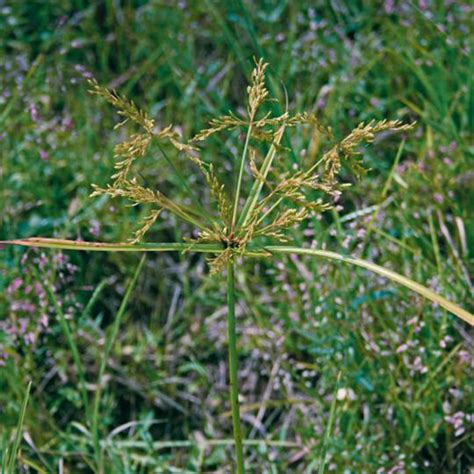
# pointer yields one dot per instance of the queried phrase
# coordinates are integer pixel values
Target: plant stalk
(241, 174)
(234, 388)
(252, 199)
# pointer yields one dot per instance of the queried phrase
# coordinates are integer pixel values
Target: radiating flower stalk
(277, 199)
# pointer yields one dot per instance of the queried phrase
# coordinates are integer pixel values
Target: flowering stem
(234, 389)
(252, 199)
(241, 174)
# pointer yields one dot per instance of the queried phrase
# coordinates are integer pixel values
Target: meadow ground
(318, 340)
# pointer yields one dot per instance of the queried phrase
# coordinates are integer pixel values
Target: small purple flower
(44, 155)
(457, 422)
(34, 113)
(423, 4)
(42, 261)
(39, 290)
(464, 357)
(402, 348)
(14, 285)
(83, 71)
(77, 43)
(44, 320)
(23, 322)
(389, 6)
(418, 366)
(374, 102)
(3, 356)
(58, 259)
(447, 161)
(29, 338)
(94, 228)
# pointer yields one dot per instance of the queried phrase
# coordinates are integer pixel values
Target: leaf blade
(19, 428)
(391, 275)
(64, 244)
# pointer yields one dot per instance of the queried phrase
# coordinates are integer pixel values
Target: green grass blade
(103, 364)
(230, 38)
(391, 275)
(93, 299)
(383, 195)
(71, 342)
(19, 427)
(327, 434)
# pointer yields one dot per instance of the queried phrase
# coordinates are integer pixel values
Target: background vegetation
(404, 399)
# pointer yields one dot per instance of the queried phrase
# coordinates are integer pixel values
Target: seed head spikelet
(257, 92)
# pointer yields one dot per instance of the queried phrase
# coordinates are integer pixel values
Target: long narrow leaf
(67, 331)
(110, 339)
(327, 434)
(396, 277)
(216, 248)
(41, 242)
(19, 428)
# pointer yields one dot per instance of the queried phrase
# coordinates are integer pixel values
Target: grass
(164, 373)
(11, 453)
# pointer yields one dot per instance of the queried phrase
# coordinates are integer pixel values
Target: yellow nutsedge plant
(277, 200)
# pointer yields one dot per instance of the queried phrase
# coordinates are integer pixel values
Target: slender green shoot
(19, 428)
(103, 364)
(72, 345)
(252, 199)
(93, 299)
(240, 177)
(327, 435)
(383, 195)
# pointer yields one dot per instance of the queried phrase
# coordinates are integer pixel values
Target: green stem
(234, 389)
(241, 174)
(267, 213)
(252, 199)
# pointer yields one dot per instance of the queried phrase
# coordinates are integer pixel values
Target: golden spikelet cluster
(257, 92)
(346, 149)
(276, 200)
